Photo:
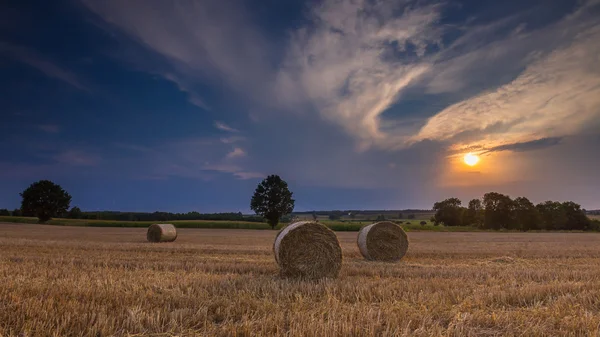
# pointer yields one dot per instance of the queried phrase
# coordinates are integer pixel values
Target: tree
(411, 216)
(498, 211)
(553, 215)
(4, 212)
(314, 216)
(272, 199)
(380, 217)
(17, 212)
(576, 217)
(526, 215)
(45, 200)
(448, 212)
(474, 213)
(75, 213)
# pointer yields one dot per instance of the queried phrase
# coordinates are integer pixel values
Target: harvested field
(89, 281)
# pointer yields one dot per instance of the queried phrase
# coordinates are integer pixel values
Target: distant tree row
(499, 211)
(76, 213)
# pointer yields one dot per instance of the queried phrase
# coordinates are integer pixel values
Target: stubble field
(81, 281)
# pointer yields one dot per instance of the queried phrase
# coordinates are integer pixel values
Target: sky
(187, 105)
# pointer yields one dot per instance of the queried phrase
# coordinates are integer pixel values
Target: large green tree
(576, 217)
(498, 211)
(526, 216)
(45, 200)
(553, 215)
(272, 200)
(449, 212)
(474, 213)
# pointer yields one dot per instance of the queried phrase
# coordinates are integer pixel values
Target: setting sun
(471, 159)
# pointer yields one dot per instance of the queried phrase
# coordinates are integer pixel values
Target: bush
(423, 223)
(4, 212)
(595, 225)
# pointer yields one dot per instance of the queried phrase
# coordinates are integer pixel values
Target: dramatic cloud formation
(554, 96)
(346, 64)
(353, 60)
(353, 102)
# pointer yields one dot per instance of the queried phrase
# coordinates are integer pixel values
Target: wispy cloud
(353, 61)
(196, 158)
(204, 39)
(237, 171)
(236, 152)
(527, 146)
(555, 96)
(232, 139)
(346, 64)
(184, 87)
(77, 158)
(34, 60)
(224, 127)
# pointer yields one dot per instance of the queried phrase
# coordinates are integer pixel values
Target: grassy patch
(340, 226)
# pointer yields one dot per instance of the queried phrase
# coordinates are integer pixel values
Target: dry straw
(382, 241)
(161, 233)
(308, 250)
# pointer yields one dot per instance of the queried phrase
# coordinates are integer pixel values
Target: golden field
(81, 281)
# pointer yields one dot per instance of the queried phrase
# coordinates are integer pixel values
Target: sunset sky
(186, 105)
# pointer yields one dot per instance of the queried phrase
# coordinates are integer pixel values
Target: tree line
(499, 211)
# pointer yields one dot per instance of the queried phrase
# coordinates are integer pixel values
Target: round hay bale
(382, 241)
(162, 232)
(308, 250)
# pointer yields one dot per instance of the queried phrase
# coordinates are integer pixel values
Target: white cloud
(184, 87)
(354, 60)
(236, 152)
(77, 158)
(340, 65)
(224, 127)
(554, 96)
(202, 39)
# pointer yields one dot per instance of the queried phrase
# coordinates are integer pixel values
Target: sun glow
(471, 159)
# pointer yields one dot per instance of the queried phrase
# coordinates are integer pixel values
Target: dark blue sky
(187, 105)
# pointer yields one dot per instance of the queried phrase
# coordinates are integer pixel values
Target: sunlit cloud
(345, 64)
(554, 96)
(224, 127)
(236, 152)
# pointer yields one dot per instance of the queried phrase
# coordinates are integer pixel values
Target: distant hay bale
(382, 241)
(161, 233)
(308, 250)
